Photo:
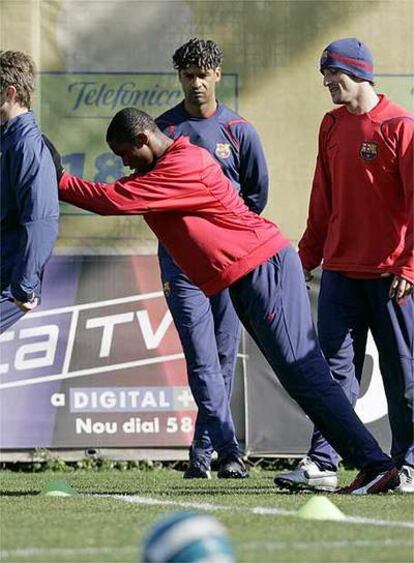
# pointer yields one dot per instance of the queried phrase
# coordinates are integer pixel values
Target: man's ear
(217, 73)
(141, 139)
(10, 93)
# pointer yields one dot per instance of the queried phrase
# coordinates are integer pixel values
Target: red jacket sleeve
(313, 240)
(403, 136)
(166, 188)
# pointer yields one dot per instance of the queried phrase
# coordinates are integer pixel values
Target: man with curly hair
(29, 200)
(208, 328)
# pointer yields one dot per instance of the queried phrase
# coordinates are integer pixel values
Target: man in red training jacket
(218, 242)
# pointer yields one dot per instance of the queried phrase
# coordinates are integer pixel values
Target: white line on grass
(266, 545)
(38, 551)
(135, 499)
(274, 545)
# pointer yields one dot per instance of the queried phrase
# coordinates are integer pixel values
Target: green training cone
(58, 489)
(320, 508)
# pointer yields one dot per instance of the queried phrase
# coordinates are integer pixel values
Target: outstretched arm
(168, 187)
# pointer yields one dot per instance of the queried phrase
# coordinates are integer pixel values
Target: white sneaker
(307, 476)
(406, 480)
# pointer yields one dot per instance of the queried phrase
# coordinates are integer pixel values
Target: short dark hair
(202, 53)
(18, 69)
(127, 123)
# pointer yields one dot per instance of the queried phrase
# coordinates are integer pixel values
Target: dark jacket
(29, 207)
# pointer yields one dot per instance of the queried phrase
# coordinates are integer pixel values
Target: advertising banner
(99, 364)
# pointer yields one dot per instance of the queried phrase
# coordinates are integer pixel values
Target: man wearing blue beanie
(360, 227)
(351, 56)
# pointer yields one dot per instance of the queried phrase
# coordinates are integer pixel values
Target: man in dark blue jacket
(29, 197)
(209, 329)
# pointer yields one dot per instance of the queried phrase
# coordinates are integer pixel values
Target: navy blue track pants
(347, 309)
(209, 332)
(273, 305)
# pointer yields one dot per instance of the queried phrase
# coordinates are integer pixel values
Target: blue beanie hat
(350, 55)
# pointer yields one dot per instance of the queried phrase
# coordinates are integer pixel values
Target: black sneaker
(232, 467)
(197, 470)
(370, 482)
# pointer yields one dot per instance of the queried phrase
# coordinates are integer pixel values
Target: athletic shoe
(307, 476)
(406, 480)
(231, 467)
(197, 470)
(370, 482)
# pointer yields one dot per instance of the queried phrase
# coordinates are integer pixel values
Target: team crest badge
(368, 151)
(223, 150)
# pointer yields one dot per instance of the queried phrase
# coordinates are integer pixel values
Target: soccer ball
(184, 537)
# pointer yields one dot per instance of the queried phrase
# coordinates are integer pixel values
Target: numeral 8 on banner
(108, 166)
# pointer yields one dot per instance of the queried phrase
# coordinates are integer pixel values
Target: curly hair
(18, 69)
(202, 53)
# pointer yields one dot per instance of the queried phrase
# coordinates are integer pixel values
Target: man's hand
(400, 288)
(28, 305)
(308, 275)
(57, 159)
(308, 278)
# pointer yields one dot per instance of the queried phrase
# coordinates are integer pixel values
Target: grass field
(261, 521)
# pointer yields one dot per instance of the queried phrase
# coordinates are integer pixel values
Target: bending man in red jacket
(218, 242)
(361, 225)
